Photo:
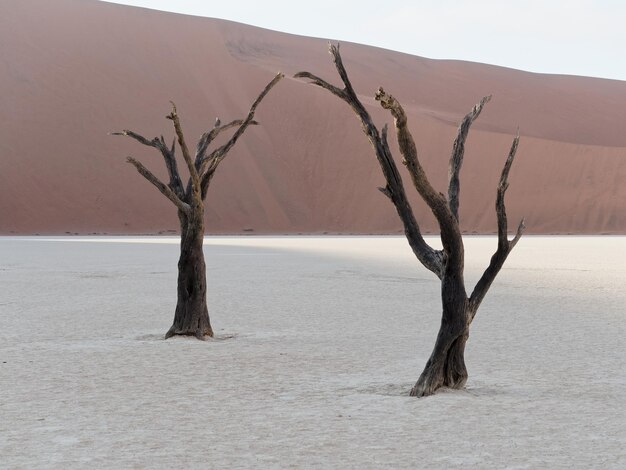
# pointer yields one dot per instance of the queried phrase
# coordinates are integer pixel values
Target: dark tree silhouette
(192, 317)
(446, 365)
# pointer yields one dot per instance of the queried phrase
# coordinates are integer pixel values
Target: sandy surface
(68, 82)
(329, 336)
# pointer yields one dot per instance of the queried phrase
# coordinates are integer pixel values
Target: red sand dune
(74, 70)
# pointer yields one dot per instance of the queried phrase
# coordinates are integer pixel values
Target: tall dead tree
(192, 317)
(446, 365)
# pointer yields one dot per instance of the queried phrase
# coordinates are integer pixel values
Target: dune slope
(74, 70)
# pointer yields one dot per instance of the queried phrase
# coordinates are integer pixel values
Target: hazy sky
(580, 37)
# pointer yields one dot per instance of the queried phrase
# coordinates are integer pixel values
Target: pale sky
(576, 37)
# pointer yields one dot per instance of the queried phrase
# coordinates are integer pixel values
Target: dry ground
(329, 335)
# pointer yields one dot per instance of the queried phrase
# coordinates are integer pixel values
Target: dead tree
(192, 317)
(446, 365)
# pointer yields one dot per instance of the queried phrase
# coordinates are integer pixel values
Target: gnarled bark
(446, 365)
(191, 317)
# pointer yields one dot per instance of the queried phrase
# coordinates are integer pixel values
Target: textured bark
(446, 365)
(456, 158)
(191, 317)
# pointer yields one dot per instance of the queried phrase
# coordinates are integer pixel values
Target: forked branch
(500, 207)
(165, 189)
(208, 137)
(193, 173)
(409, 151)
(168, 155)
(450, 233)
(504, 244)
(315, 80)
(456, 158)
(394, 189)
(210, 163)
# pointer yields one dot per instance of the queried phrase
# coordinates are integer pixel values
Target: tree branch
(193, 173)
(139, 138)
(208, 137)
(450, 233)
(394, 188)
(347, 94)
(165, 189)
(209, 164)
(408, 149)
(394, 174)
(341, 70)
(168, 155)
(431, 259)
(504, 245)
(322, 83)
(456, 158)
(503, 185)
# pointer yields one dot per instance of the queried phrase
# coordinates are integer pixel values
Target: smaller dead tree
(446, 365)
(192, 317)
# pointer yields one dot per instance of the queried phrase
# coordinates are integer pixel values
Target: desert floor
(320, 340)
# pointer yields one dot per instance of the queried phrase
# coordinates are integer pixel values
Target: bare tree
(192, 317)
(446, 365)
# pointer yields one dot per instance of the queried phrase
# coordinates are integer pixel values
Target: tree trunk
(192, 316)
(446, 365)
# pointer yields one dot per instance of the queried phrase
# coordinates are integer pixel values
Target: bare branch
(334, 51)
(456, 158)
(202, 159)
(168, 156)
(386, 191)
(394, 188)
(193, 173)
(409, 150)
(165, 189)
(504, 245)
(139, 138)
(208, 137)
(450, 233)
(209, 165)
(348, 91)
(503, 185)
(321, 83)
(521, 228)
(396, 179)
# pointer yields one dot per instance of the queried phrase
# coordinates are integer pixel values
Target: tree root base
(201, 335)
(426, 389)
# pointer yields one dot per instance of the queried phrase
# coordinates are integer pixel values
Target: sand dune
(74, 70)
